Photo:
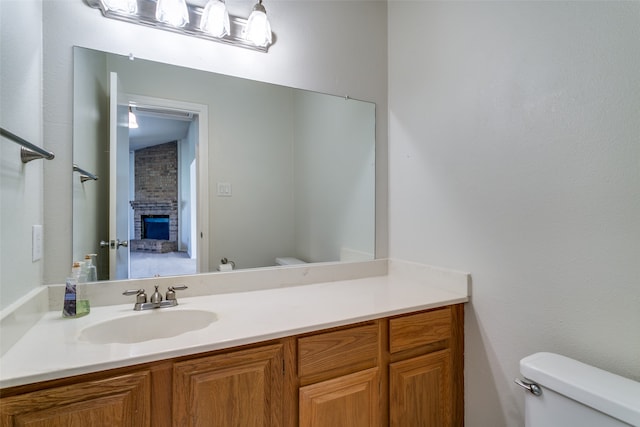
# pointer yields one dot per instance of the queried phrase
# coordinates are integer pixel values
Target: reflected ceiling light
(133, 120)
(205, 19)
(258, 29)
(126, 6)
(215, 18)
(173, 12)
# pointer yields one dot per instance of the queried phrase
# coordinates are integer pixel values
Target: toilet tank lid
(616, 396)
(288, 261)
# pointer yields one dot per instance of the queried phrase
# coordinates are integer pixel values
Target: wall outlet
(36, 242)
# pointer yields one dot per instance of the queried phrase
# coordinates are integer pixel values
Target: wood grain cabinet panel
(420, 391)
(238, 389)
(419, 329)
(340, 352)
(121, 401)
(348, 401)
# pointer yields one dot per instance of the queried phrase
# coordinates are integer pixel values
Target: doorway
(168, 176)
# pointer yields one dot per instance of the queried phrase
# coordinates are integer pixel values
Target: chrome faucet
(156, 300)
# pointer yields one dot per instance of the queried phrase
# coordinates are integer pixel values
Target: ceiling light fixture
(133, 120)
(211, 22)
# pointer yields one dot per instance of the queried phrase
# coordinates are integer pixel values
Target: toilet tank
(576, 394)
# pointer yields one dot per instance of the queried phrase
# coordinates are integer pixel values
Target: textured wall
(514, 154)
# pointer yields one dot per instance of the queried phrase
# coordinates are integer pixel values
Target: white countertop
(51, 349)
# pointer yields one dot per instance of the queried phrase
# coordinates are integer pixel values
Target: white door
(118, 181)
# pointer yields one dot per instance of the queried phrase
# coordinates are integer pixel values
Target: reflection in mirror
(221, 172)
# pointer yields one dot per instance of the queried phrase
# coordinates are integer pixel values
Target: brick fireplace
(156, 199)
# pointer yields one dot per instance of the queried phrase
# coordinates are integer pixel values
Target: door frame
(202, 163)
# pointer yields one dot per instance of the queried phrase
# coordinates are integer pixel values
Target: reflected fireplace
(155, 205)
(155, 227)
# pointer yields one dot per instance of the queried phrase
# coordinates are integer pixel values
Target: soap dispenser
(75, 302)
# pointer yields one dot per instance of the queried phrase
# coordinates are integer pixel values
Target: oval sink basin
(147, 325)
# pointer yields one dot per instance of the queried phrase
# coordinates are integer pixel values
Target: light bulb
(126, 6)
(215, 19)
(258, 29)
(172, 12)
(133, 121)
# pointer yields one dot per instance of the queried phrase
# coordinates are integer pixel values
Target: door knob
(114, 244)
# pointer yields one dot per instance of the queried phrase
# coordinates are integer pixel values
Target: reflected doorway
(162, 191)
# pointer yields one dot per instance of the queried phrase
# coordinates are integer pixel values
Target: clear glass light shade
(215, 19)
(258, 30)
(172, 12)
(133, 121)
(126, 6)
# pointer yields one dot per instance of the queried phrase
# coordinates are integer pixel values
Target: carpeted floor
(145, 264)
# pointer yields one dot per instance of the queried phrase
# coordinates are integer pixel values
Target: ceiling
(158, 127)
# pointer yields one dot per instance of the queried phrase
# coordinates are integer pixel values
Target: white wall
(334, 173)
(186, 157)
(515, 155)
(21, 114)
(340, 61)
(91, 153)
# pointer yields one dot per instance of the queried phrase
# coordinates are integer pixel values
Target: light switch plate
(224, 189)
(36, 242)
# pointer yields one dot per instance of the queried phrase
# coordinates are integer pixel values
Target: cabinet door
(347, 401)
(121, 401)
(237, 389)
(420, 391)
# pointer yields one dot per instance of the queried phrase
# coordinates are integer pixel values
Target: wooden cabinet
(420, 391)
(403, 371)
(426, 382)
(120, 401)
(342, 373)
(241, 388)
(347, 401)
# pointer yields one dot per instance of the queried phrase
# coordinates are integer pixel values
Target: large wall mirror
(201, 172)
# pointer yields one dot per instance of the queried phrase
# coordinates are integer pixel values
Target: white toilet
(288, 261)
(568, 393)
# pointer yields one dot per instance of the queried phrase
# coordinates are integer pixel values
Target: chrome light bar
(146, 15)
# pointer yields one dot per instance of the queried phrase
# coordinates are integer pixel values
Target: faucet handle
(141, 296)
(171, 292)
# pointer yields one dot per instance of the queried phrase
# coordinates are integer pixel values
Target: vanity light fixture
(125, 6)
(211, 22)
(172, 12)
(258, 28)
(215, 18)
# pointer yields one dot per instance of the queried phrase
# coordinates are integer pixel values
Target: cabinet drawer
(414, 330)
(355, 348)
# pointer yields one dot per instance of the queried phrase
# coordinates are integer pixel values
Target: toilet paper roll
(225, 267)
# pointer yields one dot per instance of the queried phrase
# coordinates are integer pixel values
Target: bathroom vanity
(384, 350)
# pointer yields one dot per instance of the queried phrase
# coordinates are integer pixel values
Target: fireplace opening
(155, 227)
